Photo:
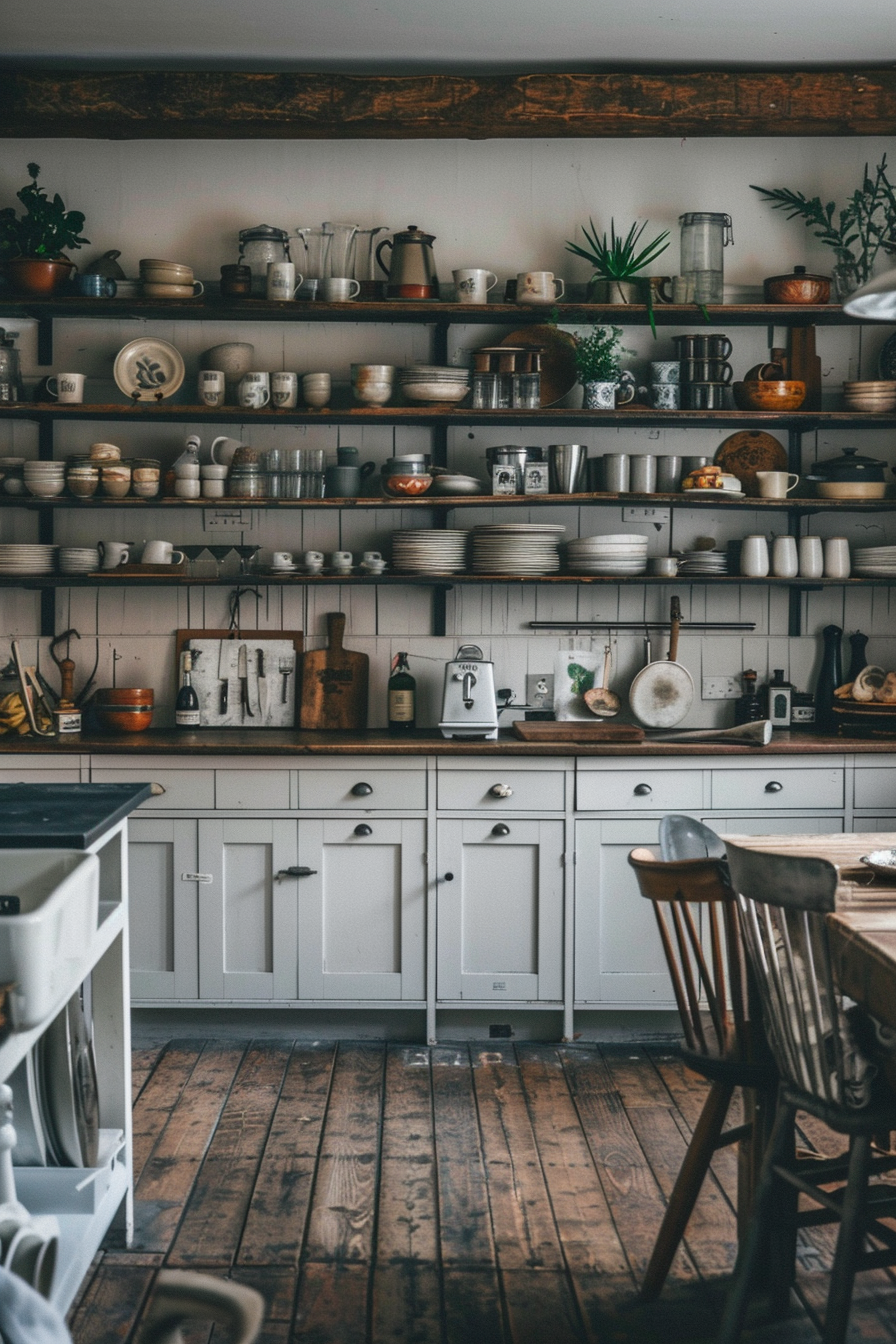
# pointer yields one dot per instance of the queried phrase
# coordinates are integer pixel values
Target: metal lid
(266, 231)
(850, 467)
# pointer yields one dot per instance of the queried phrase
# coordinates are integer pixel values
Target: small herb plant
(859, 230)
(598, 353)
(46, 228)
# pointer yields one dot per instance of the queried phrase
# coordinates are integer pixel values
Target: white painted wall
(506, 205)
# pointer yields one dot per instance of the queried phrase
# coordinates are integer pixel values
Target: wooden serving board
(542, 730)
(334, 683)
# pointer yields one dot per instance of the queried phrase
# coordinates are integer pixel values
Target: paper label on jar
(401, 706)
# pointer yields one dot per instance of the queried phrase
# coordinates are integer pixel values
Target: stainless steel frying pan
(663, 691)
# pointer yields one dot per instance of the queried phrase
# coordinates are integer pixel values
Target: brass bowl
(769, 394)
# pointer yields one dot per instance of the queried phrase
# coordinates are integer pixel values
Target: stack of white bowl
(78, 559)
(872, 395)
(434, 382)
(619, 553)
(372, 383)
(166, 279)
(44, 479)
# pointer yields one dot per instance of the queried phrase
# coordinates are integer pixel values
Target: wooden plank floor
(455, 1195)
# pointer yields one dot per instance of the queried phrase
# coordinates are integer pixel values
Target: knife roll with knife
(244, 682)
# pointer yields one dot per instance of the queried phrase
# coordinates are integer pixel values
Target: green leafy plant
(617, 258)
(859, 230)
(598, 353)
(46, 228)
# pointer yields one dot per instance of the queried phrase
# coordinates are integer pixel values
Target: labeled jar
(82, 477)
(146, 477)
(236, 281)
(115, 479)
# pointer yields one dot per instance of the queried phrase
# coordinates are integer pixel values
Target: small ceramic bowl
(882, 863)
(164, 290)
(770, 394)
(233, 358)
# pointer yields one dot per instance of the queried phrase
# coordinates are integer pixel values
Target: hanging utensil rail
(640, 625)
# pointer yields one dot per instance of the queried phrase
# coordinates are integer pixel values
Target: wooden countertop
(278, 742)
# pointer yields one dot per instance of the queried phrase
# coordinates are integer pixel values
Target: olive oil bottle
(402, 696)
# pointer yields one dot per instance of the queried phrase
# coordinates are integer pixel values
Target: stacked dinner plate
(618, 553)
(703, 562)
(434, 382)
(419, 550)
(18, 558)
(44, 479)
(517, 548)
(876, 562)
(78, 559)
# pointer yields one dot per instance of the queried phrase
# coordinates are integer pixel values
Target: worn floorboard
(387, 1194)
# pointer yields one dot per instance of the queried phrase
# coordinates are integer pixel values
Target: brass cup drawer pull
(773, 786)
(362, 790)
(642, 790)
(501, 791)
(500, 830)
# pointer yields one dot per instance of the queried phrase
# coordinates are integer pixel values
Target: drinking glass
(220, 553)
(193, 553)
(247, 554)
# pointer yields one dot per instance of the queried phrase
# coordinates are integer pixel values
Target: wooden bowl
(797, 288)
(123, 709)
(778, 394)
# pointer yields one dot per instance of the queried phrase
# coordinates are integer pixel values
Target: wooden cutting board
(805, 365)
(334, 683)
(543, 730)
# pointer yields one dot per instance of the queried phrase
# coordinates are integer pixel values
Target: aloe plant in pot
(32, 246)
(618, 265)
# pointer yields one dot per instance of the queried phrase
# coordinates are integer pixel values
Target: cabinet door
(500, 913)
(163, 909)
(247, 913)
(619, 956)
(362, 912)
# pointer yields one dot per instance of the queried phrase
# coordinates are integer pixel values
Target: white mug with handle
(223, 449)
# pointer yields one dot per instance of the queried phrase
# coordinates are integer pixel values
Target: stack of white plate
(78, 559)
(18, 558)
(434, 382)
(618, 553)
(876, 562)
(419, 550)
(44, 479)
(517, 548)
(703, 562)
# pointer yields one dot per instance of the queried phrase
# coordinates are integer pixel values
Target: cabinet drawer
(639, 790)
(775, 788)
(875, 786)
(192, 790)
(257, 790)
(504, 790)
(363, 789)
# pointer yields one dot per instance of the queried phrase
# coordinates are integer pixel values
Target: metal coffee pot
(412, 269)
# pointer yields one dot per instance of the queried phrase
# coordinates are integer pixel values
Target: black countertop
(63, 816)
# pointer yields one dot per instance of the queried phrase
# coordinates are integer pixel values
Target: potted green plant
(598, 353)
(32, 245)
(618, 264)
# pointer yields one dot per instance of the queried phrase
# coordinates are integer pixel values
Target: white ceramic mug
(69, 387)
(371, 556)
(754, 557)
(836, 558)
(538, 287)
(113, 553)
(211, 384)
(785, 564)
(282, 281)
(284, 390)
(811, 556)
(187, 488)
(223, 449)
(161, 553)
(472, 284)
(254, 390)
(339, 289)
(341, 560)
(776, 484)
(281, 560)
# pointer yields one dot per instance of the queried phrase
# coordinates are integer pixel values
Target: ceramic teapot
(412, 269)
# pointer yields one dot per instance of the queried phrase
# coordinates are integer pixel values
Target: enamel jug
(412, 268)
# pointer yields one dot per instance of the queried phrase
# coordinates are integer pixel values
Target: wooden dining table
(862, 928)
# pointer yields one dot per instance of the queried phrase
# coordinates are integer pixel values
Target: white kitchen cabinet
(500, 910)
(362, 911)
(164, 909)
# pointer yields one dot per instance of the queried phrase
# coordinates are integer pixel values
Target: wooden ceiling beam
(136, 105)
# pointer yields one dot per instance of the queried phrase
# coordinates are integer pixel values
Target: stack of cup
(187, 484)
(665, 391)
(705, 371)
(316, 389)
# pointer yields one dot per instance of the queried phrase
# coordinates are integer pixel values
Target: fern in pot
(598, 353)
(32, 245)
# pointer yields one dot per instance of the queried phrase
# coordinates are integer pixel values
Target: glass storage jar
(247, 481)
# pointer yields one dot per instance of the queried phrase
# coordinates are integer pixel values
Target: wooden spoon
(600, 699)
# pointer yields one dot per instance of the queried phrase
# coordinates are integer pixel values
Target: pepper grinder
(747, 708)
(830, 676)
(858, 658)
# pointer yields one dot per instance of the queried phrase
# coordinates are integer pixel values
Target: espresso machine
(469, 706)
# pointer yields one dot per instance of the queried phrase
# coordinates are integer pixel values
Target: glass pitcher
(703, 237)
(314, 268)
(342, 248)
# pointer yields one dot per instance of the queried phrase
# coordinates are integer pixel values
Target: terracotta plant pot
(770, 394)
(39, 278)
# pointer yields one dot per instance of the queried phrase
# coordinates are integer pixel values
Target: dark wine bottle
(186, 706)
(402, 697)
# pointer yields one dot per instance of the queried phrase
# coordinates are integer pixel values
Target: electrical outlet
(720, 688)
(226, 520)
(641, 513)
(540, 690)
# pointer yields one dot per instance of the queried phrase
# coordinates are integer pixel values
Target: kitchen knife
(224, 674)
(243, 673)
(262, 685)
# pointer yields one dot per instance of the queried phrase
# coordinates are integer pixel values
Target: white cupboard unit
(164, 908)
(500, 910)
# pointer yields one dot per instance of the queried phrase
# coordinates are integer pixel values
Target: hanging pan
(663, 691)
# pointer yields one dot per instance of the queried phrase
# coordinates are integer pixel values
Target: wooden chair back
(706, 965)
(782, 900)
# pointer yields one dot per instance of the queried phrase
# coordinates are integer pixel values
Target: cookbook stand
(86, 1201)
